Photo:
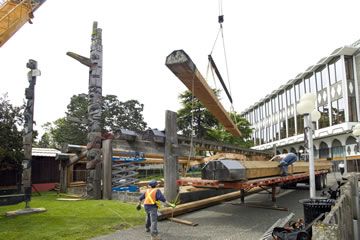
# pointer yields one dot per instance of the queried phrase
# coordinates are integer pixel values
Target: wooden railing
(342, 222)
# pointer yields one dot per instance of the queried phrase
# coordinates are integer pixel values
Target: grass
(68, 220)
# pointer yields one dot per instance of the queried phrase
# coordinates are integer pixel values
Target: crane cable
(221, 31)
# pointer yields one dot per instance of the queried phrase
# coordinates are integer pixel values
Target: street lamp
(356, 133)
(306, 107)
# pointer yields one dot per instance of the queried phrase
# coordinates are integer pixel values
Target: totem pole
(28, 130)
(93, 188)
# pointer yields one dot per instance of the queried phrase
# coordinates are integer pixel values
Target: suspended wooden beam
(184, 68)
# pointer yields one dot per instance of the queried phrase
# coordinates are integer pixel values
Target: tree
(206, 126)
(193, 109)
(115, 115)
(11, 118)
(220, 134)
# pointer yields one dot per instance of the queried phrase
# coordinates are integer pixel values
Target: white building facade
(336, 82)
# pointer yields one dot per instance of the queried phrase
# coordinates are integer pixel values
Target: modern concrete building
(335, 80)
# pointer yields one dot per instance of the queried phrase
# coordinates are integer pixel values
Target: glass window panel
(332, 74)
(338, 70)
(325, 78)
(290, 96)
(349, 67)
(302, 88)
(291, 126)
(352, 110)
(300, 124)
(324, 119)
(282, 129)
(313, 84)
(297, 92)
(318, 81)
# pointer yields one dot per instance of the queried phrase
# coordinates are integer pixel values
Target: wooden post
(28, 130)
(93, 182)
(107, 168)
(63, 177)
(170, 159)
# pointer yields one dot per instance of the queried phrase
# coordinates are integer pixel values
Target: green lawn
(68, 220)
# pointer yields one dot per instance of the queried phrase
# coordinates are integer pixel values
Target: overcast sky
(267, 44)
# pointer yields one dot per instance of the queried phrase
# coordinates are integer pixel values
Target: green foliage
(11, 118)
(73, 128)
(206, 126)
(68, 220)
(221, 135)
(203, 120)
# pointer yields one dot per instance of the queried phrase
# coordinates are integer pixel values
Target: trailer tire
(318, 182)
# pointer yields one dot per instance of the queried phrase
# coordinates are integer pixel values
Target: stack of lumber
(260, 169)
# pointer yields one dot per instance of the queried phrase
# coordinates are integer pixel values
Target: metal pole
(309, 130)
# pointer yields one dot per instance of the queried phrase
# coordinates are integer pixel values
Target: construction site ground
(227, 221)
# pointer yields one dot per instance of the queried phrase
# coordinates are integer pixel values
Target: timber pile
(196, 205)
(261, 169)
(184, 68)
(236, 156)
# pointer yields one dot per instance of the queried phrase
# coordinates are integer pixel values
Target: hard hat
(153, 183)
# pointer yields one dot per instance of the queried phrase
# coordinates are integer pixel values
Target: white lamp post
(306, 107)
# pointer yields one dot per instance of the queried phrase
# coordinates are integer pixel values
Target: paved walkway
(226, 221)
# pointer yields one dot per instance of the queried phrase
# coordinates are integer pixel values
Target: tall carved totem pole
(94, 139)
(28, 130)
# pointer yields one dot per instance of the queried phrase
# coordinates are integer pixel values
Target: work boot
(155, 237)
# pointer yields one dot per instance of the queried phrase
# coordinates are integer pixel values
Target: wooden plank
(192, 206)
(184, 68)
(182, 221)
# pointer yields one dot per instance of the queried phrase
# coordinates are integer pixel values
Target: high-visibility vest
(150, 197)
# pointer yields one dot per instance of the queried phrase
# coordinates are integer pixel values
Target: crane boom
(184, 68)
(14, 14)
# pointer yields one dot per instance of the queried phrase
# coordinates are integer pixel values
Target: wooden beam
(184, 68)
(182, 221)
(196, 205)
(171, 172)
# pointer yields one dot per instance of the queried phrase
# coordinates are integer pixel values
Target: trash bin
(314, 207)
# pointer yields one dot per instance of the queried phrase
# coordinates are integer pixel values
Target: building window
(323, 150)
(291, 126)
(324, 119)
(332, 74)
(349, 67)
(276, 132)
(312, 81)
(300, 124)
(282, 129)
(338, 111)
(337, 150)
(324, 78)
(349, 70)
(352, 110)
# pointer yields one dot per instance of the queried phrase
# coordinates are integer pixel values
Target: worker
(342, 167)
(285, 160)
(151, 198)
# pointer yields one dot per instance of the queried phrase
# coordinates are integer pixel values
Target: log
(196, 205)
(184, 68)
(186, 222)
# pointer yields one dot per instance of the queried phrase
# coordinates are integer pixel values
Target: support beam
(184, 68)
(170, 159)
(107, 168)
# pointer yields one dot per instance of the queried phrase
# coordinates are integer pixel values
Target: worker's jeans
(151, 220)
